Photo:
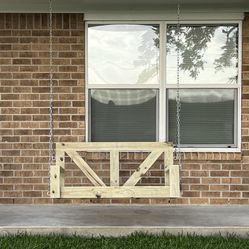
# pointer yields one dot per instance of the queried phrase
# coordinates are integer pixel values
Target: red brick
(211, 180)
(200, 173)
(6, 201)
(23, 201)
(231, 180)
(211, 166)
(243, 173)
(219, 201)
(239, 201)
(231, 194)
(200, 187)
(219, 187)
(191, 180)
(210, 194)
(199, 201)
(239, 187)
(32, 194)
(219, 173)
(191, 194)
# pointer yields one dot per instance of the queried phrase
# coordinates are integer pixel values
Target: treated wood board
(116, 192)
(60, 158)
(114, 168)
(55, 181)
(106, 147)
(168, 160)
(174, 182)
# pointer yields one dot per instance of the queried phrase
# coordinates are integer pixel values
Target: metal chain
(178, 97)
(51, 96)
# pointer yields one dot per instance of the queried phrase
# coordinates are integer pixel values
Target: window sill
(212, 150)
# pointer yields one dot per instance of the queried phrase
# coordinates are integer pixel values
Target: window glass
(123, 54)
(207, 116)
(208, 54)
(123, 115)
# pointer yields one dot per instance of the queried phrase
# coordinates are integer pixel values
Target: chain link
(51, 96)
(178, 97)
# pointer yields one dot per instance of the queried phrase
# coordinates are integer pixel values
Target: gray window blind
(207, 116)
(123, 115)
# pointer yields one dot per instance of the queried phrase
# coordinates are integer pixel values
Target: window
(131, 79)
(123, 80)
(209, 82)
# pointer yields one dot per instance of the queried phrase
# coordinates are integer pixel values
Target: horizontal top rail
(119, 146)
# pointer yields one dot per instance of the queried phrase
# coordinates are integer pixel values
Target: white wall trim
(162, 16)
(210, 149)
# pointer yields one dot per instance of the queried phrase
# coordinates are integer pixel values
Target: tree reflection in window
(206, 52)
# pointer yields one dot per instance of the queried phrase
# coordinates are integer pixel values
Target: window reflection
(208, 54)
(123, 54)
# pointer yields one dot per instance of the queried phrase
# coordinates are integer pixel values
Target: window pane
(207, 116)
(208, 54)
(123, 115)
(123, 54)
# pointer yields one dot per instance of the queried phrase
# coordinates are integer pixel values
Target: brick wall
(207, 178)
(24, 88)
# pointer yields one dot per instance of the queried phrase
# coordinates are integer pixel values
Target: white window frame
(163, 85)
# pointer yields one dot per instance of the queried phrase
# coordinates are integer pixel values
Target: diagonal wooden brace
(143, 168)
(85, 168)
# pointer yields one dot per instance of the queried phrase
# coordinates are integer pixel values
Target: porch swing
(57, 188)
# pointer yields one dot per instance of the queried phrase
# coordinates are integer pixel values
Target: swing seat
(129, 189)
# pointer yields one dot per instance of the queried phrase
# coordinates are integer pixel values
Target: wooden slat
(85, 168)
(60, 162)
(116, 192)
(143, 168)
(168, 157)
(108, 146)
(174, 183)
(168, 160)
(114, 168)
(55, 181)
(60, 158)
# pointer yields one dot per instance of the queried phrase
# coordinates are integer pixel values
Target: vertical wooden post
(174, 182)
(57, 175)
(168, 161)
(114, 168)
(55, 181)
(60, 162)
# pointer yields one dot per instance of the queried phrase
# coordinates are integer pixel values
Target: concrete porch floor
(116, 220)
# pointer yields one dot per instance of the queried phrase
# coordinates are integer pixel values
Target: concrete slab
(116, 220)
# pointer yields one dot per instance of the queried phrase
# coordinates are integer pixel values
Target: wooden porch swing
(129, 188)
(155, 150)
